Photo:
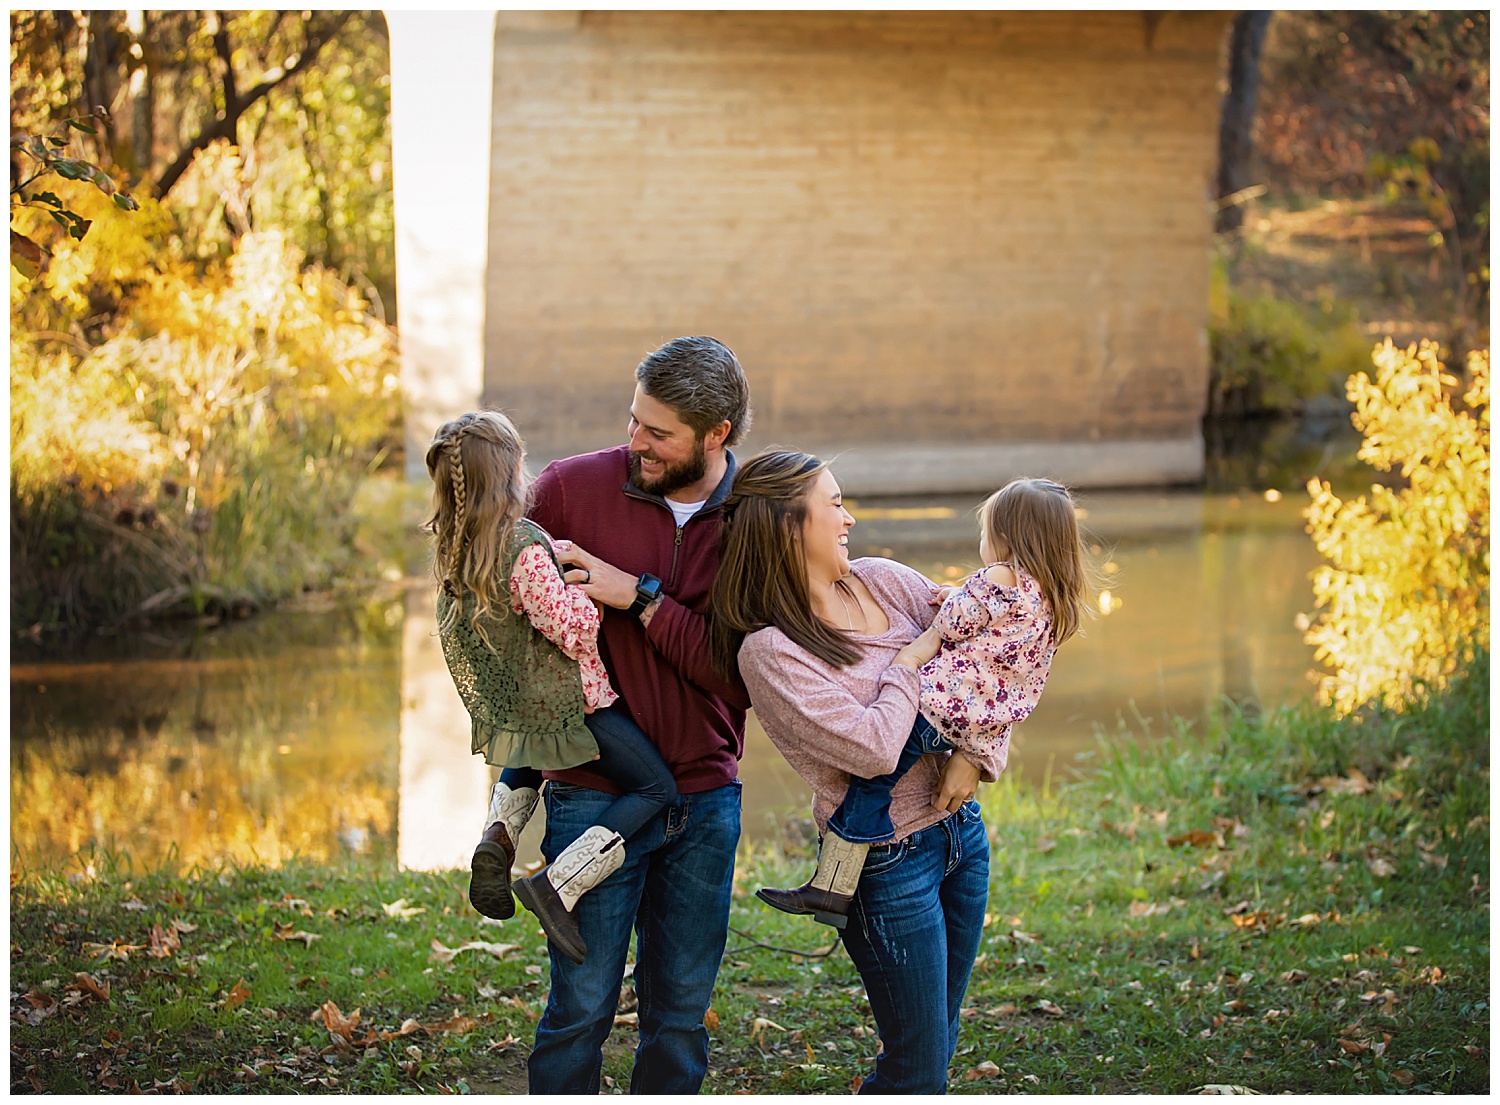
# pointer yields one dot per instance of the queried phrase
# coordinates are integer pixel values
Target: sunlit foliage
(1405, 593)
(185, 432)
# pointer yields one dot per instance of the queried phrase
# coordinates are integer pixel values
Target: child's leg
(629, 760)
(864, 816)
(862, 819)
(512, 801)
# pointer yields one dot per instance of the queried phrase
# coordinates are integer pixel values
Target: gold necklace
(848, 617)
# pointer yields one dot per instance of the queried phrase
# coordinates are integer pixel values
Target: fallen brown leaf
(986, 1069)
(1404, 1076)
(339, 1026)
(164, 942)
(443, 954)
(710, 1019)
(1050, 1008)
(627, 1018)
(400, 909)
(117, 949)
(459, 1025)
(92, 986)
(1354, 1047)
(1045, 844)
(1294, 976)
(289, 931)
(1197, 838)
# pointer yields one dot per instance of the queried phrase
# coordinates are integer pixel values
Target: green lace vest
(524, 696)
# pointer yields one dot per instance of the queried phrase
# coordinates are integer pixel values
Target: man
(638, 527)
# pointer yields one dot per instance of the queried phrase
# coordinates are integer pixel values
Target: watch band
(647, 590)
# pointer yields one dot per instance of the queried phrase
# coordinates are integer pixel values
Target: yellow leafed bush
(204, 442)
(1405, 592)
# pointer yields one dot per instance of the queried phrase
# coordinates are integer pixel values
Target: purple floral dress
(996, 653)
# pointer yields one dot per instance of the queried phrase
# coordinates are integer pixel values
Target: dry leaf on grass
(458, 1025)
(42, 1007)
(1307, 919)
(135, 905)
(1227, 1088)
(92, 986)
(1197, 838)
(444, 954)
(1050, 1008)
(1045, 844)
(1294, 976)
(289, 931)
(1382, 867)
(710, 1019)
(164, 942)
(983, 1070)
(400, 909)
(117, 949)
(236, 997)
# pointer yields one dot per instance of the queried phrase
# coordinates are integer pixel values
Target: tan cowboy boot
(828, 894)
(553, 892)
(489, 870)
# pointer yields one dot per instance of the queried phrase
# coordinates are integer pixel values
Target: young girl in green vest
(522, 646)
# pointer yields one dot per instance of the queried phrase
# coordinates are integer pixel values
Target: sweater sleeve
(829, 721)
(681, 636)
(562, 614)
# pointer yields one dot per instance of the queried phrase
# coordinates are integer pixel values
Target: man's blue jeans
(913, 934)
(673, 888)
(864, 816)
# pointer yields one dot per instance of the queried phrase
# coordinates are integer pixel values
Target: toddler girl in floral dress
(999, 632)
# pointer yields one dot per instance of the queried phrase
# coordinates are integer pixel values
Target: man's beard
(675, 477)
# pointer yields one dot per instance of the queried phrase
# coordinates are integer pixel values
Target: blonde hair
(1038, 521)
(478, 496)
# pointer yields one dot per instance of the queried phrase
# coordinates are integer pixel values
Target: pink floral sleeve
(565, 616)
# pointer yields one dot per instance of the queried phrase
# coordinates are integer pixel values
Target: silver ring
(587, 575)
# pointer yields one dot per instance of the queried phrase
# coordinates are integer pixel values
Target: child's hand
(940, 594)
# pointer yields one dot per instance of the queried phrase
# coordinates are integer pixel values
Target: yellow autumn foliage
(1405, 593)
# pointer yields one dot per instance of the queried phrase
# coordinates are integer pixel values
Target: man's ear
(714, 438)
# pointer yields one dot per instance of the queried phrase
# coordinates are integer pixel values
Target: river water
(331, 732)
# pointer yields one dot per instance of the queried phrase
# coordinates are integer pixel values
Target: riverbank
(1295, 903)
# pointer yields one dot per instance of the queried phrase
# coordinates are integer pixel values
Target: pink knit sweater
(830, 723)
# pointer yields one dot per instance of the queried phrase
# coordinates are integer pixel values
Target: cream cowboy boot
(828, 894)
(553, 892)
(489, 878)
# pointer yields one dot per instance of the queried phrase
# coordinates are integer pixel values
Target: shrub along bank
(1296, 902)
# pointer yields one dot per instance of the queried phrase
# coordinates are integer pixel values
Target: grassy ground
(1294, 903)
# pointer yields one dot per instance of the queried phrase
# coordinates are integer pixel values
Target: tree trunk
(1238, 114)
(142, 95)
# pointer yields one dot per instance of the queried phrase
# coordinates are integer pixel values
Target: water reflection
(338, 733)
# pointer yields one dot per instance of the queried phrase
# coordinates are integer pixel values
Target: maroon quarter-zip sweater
(663, 672)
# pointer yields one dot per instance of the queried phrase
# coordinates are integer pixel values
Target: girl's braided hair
(478, 496)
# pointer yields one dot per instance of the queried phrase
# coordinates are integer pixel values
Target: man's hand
(956, 785)
(604, 583)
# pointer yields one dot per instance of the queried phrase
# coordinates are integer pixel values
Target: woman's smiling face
(825, 530)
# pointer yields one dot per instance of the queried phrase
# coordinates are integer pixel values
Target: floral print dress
(565, 616)
(989, 673)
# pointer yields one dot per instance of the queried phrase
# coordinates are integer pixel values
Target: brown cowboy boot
(489, 870)
(828, 894)
(553, 892)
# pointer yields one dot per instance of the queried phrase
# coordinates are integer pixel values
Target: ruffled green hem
(542, 751)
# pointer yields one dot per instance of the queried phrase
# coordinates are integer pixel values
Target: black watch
(647, 588)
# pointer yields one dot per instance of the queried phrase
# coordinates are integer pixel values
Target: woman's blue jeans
(913, 934)
(864, 816)
(673, 890)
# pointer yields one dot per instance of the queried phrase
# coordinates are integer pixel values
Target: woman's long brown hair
(762, 578)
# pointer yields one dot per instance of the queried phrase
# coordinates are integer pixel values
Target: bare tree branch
(224, 125)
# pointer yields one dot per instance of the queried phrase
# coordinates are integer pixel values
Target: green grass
(1326, 940)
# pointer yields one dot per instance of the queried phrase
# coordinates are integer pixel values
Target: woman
(829, 651)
